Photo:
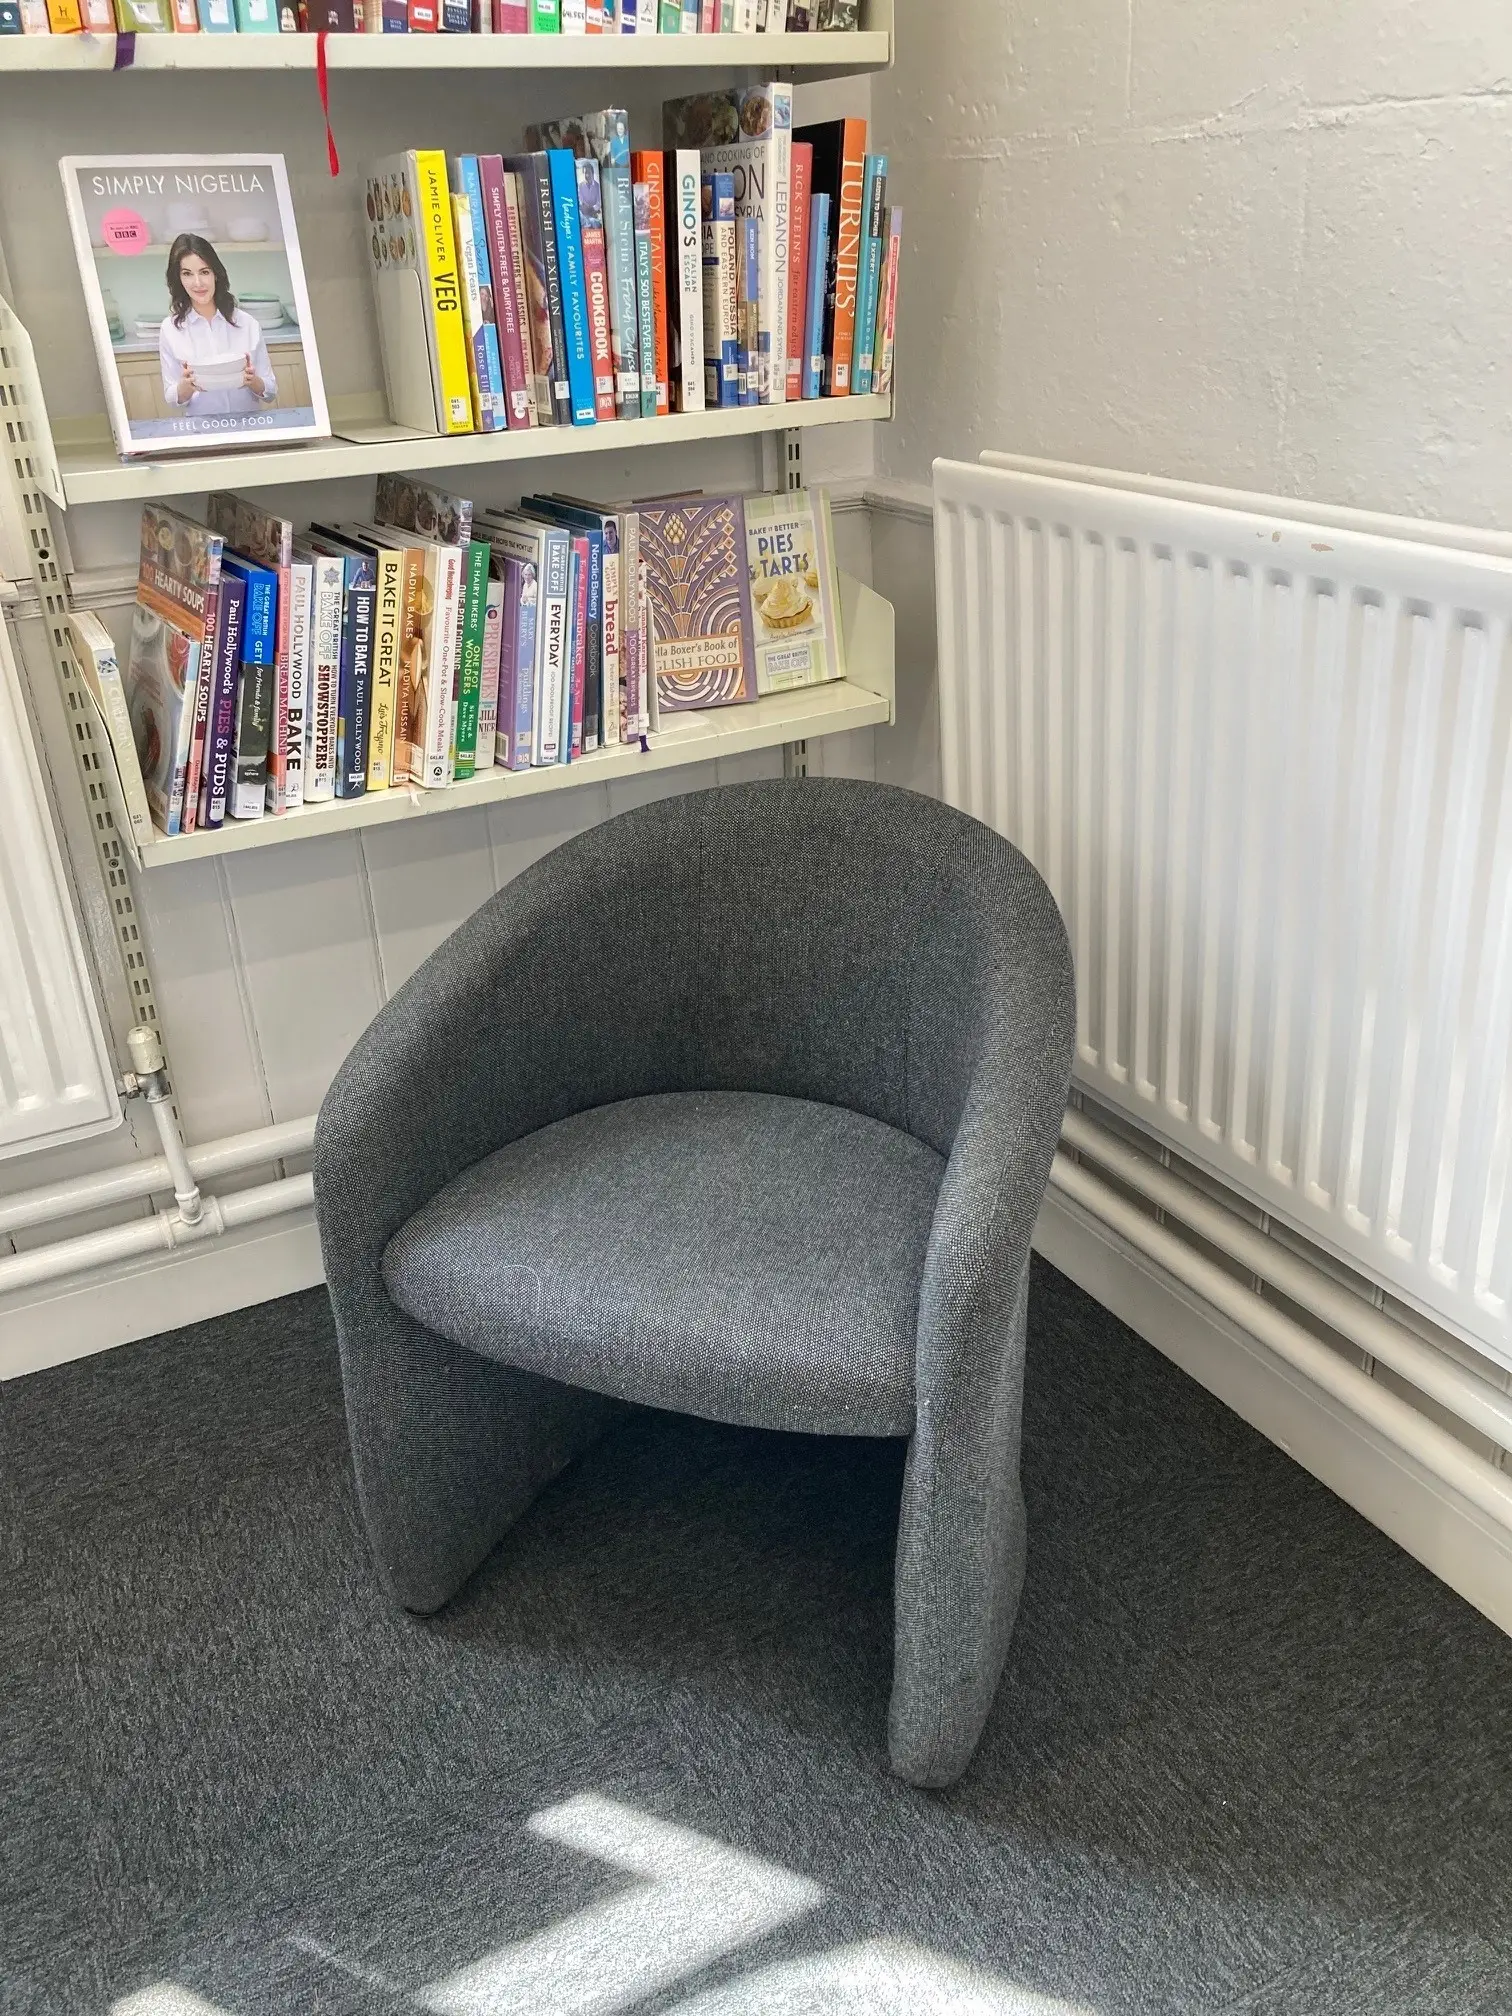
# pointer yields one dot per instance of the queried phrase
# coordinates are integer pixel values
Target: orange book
(186, 19)
(63, 17)
(647, 167)
(839, 172)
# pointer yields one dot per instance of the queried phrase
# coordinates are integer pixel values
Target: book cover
(869, 270)
(543, 282)
(99, 16)
(95, 650)
(721, 291)
(645, 294)
(569, 244)
(795, 590)
(650, 169)
(327, 615)
(839, 170)
(402, 744)
(488, 682)
(420, 507)
(889, 301)
(596, 283)
(684, 282)
(479, 296)
(184, 12)
(699, 589)
(749, 133)
(229, 376)
(507, 291)
(814, 319)
(178, 576)
(803, 167)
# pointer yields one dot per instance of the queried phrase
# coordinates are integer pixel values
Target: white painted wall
(1254, 242)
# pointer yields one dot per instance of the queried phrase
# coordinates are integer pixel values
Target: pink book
(579, 639)
(511, 17)
(519, 408)
(596, 286)
(800, 179)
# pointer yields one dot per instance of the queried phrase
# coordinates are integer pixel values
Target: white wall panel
(423, 880)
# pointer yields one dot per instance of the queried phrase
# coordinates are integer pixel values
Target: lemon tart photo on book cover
(196, 298)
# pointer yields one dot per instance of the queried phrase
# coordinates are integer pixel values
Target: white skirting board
(118, 1305)
(1452, 1538)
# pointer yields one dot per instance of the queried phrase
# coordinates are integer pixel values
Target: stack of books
(584, 279)
(427, 17)
(271, 668)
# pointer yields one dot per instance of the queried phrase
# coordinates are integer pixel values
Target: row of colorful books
(271, 668)
(583, 280)
(418, 17)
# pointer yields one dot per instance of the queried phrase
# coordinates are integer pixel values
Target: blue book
(354, 691)
(257, 17)
(486, 352)
(569, 242)
(254, 689)
(813, 321)
(722, 255)
(869, 272)
(217, 17)
(591, 523)
(750, 311)
(517, 663)
(220, 726)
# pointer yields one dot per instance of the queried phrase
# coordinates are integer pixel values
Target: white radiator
(56, 1080)
(1264, 766)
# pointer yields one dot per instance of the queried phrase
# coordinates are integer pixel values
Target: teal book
(257, 17)
(869, 270)
(579, 345)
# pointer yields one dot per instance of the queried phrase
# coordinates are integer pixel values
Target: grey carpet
(1248, 1757)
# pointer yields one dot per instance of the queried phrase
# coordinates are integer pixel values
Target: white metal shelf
(92, 474)
(830, 55)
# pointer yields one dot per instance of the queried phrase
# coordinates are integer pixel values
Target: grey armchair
(741, 1104)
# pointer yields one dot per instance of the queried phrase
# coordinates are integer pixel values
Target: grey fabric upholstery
(730, 1254)
(843, 944)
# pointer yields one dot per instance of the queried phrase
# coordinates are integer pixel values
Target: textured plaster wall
(1258, 242)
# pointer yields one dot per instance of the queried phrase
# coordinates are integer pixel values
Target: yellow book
(64, 18)
(388, 642)
(439, 243)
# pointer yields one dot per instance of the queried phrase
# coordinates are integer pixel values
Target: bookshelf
(806, 56)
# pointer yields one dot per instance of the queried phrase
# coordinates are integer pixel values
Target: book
(220, 385)
(178, 575)
(387, 558)
(814, 320)
(721, 291)
(517, 660)
(269, 540)
(287, 789)
(669, 17)
(488, 682)
(838, 16)
(547, 549)
(95, 650)
(327, 616)
(578, 621)
(699, 589)
(748, 133)
(645, 294)
(569, 244)
(649, 168)
(64, 18)
(424, 17)
(605, 136)
(839, 169)
(471, 633)
(257, 17)
(604, 703)
(355, 686)
(596, 285)
(219, 712)
(543, 282)
(588, 620)
(247, 795)
(507, 287)
(133, 17)
(798, 257)
(194, 767)
(217, 17)
(545, 17)
(795, 590)
(420, 507)
(438, 522)
(486, 368)
(869, 270)
(417, 290)
(749, 310)
(888, 302)
(683, 262)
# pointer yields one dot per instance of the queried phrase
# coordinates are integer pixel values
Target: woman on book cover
(213, 353)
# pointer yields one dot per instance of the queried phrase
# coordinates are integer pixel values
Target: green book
(670, 16)
(475, 560)
(545, 17)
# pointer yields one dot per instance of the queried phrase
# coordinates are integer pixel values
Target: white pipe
(223, 1157)
(162, 1231)
(1434, 1447)
(1473, 1400)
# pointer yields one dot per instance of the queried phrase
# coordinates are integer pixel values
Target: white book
(488, 681)
(574, 17)
(95, 650)
(301, 596)
(683, 196)
(549, 549)
(328, 609)
(745, 17)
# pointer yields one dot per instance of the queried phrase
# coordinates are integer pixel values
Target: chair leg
(449, 1449)
(960, 1565)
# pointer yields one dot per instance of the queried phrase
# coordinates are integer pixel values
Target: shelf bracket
(789, 476)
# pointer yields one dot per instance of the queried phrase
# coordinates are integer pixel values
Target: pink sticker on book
(125, 232)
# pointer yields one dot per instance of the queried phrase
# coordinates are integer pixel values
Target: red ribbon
(323, 86)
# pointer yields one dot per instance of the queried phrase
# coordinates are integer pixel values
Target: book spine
(818, 268)
(752, 335)
(301, 592)
(325, 683)
(441, 680)
(545, 17)
(470, 673)
(619, 241)
(593, 669)
(409, 723)
(645, 294)
(511, 17)
(721, 294)
(575, 699)
(388, 641)
(708, 17)
(798, 254)
(569, 244)
(510, 333)
(649, 168)
(888, 309)
(97, 649)
(99, 17)
(278, 740)
(559, 384)
(484, 297)
(776, 244)
(869, 271)
(488, 681)
(526, 634)
(195, 668)
(687, 316)
(424, 17)
(596, 286)
(612, 726)
(574, 17)
(434, 225)
(254, 719)
(632, 659)
(845, 224)
(185, 16)
(554, 668)
(455, 17)
(194, 768)
(64, 18)
(221, 732)
(354, 710)
(690, 11)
